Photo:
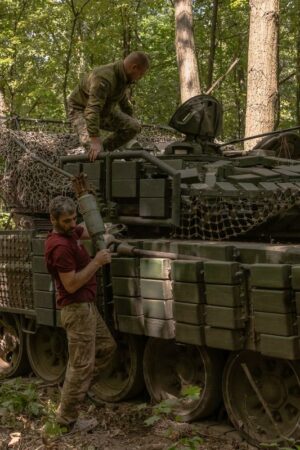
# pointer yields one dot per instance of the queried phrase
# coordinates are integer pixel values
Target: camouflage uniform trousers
(91, 347)
(124, 128)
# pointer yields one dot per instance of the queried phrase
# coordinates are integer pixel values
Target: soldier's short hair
(141, 59)
(61, 205)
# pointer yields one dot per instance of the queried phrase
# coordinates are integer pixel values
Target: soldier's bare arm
(72, 281)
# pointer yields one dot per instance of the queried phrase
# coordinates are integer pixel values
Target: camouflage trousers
(124, 128)
(91, 347)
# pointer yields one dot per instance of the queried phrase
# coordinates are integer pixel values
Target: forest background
(46, 45)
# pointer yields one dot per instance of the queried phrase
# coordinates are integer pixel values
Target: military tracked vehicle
(205, 277)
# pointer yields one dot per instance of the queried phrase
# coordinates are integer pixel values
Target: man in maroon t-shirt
(90, 343)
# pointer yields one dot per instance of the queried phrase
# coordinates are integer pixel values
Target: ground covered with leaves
(27, 422)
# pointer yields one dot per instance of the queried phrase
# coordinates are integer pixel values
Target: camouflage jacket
(100, 91)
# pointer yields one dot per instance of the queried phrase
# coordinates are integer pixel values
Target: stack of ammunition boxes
(225, 310)
(157, 298)
(43, 287)
(125, 179)
(274, 309)
(189, 299)
(93, 172)
(127, 295)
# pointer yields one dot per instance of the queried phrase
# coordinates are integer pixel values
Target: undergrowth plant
(169, 407)
(19, 397)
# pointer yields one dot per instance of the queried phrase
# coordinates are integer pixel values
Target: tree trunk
(298, 64)
(3, 105)
(213, 45)
(185, 50)
(262, 84)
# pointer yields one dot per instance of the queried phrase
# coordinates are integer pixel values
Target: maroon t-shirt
(65, 253)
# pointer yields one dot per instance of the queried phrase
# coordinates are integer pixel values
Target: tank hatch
(200, 119)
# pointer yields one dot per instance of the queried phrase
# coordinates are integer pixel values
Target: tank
(204, 286)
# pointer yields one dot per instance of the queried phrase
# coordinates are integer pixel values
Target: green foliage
(17, 397)
(53, 429)
(169, 406)
(46, 45)
(187, 443)
(4, 219)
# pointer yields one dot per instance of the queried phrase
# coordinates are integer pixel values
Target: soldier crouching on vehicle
(90, 344)
(93, 104)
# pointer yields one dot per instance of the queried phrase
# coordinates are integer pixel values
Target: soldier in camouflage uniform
(100, 101)
(90, 344)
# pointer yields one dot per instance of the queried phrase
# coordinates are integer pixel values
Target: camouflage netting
(26, 184)
(224, 217)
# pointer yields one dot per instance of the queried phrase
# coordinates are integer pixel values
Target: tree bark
(76, 15)
(185, 50)
(298, 64)
(3, 105)
(213, 44)
(262, 84)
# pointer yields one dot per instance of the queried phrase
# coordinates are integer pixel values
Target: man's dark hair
(61, 205)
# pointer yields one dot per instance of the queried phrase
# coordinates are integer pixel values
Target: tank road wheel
(169, 367)
(47, 352)
(13, 357)
(123, 379)
(252, 381)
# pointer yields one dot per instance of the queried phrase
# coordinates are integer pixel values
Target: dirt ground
(120, 427)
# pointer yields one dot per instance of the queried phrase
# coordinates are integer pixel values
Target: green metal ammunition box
(38, 246)
(271, 276)
(124, 188)
(279, 346)
(274, 301)
(128, 306)
(224, 339)
(131, 324)
(164, 329)
(122, 170)
(58, 318)
(189, 175)
(152, 207)
(73, 168)
(297, 300)
(43, 299)
(188, 292)
(189, 313)
(224, 295)
(187, 271)
(296, 277)
(222, 272)
(42, 282)
(157, 268)
(175, 163)
(45, 316)
(126, 287)
(125, 267)
(156, 289)
(157, 309)
(278, 324)
(92, 170)
(39, 264)
(152, 187)
(232, 318)
(95, 184)
(218, 252)
(189, 334)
